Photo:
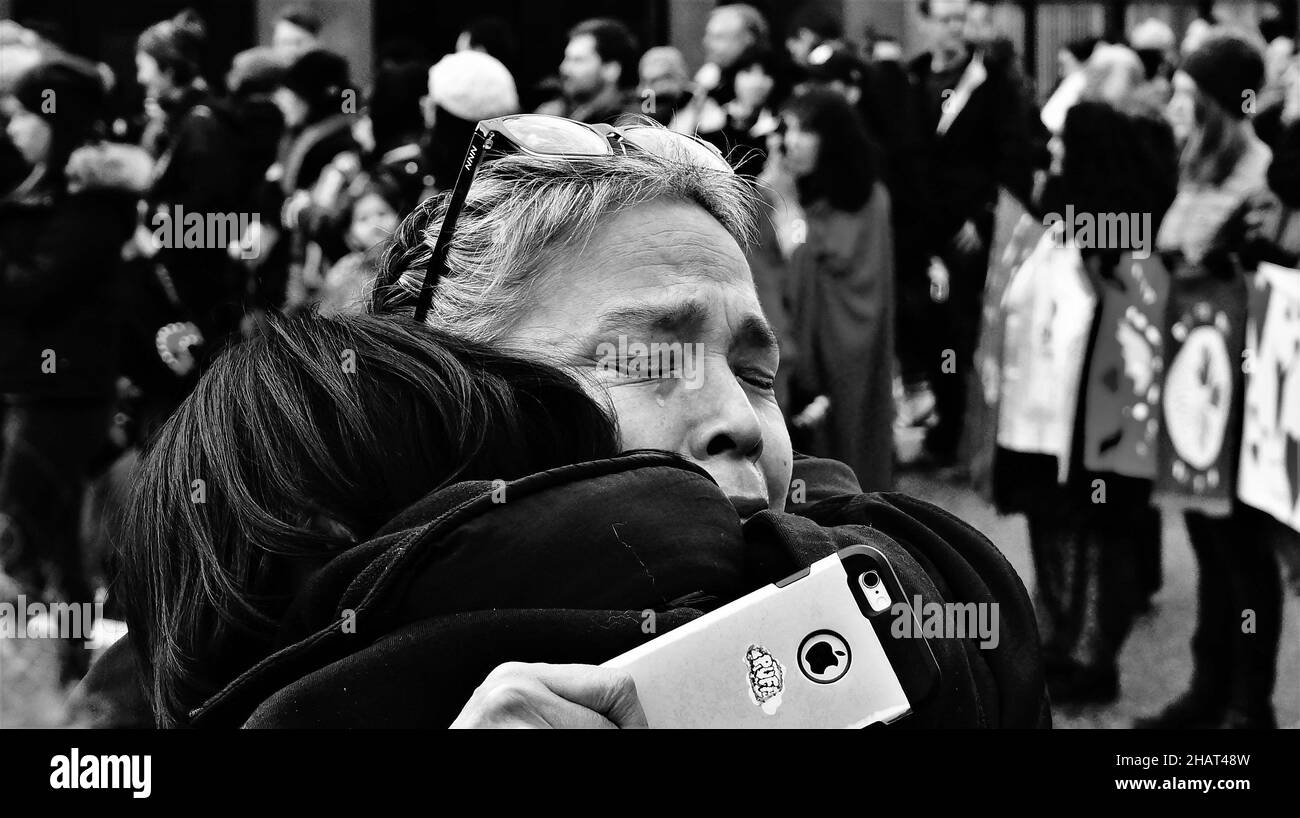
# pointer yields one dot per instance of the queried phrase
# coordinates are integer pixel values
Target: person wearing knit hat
(257, 70)
(1228, 70)
(60, 104)
(312, 88)
(473, 85)
(464, 87)
(1202, 242)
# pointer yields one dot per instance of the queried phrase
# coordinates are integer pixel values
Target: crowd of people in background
(883, 177)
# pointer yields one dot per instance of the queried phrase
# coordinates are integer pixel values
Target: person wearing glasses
(486, 592)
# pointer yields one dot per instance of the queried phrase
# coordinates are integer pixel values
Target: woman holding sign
(1114, 155)
(1202, 241)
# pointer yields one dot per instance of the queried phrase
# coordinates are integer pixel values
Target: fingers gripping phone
(811, 651)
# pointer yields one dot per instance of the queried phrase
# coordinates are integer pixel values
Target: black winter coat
(987, 145)
(562, 571)
(59, 272)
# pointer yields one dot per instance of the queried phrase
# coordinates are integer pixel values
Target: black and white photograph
(672, 364)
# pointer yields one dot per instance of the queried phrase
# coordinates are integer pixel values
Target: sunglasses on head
(553, 137)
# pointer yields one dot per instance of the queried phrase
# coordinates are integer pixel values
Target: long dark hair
(848, 163)
(297, 445)
(178, 46)
(1216, 145)
(1116, 161)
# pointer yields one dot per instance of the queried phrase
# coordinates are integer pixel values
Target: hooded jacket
(399, 631)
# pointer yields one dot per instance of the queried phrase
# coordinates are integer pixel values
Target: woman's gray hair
(521, 214)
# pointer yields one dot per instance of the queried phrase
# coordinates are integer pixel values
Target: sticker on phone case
(766, 678)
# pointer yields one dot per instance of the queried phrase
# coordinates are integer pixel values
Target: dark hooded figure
(59, 273)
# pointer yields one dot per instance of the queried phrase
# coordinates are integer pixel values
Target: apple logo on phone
(824, 657)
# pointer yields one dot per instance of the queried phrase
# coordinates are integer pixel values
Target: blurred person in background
(60, 243)
(313, 96)
(1070, 81)
(1157, 47)
(1224, 167)
(740, 127)
(20, 49)
(254, 76)
(841, 284)
(598, 74)
(388, 159)
(463, 88)
(664, 85)
(372, 209)
(295, 32)
(732, 30)
(1113, 153)
(810, 28)
(395, 147)
(201, 150)
(493, 36)
(881, 93)
(972, 117)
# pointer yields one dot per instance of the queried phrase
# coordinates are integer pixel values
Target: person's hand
(968, 239)
(517, 694)
(293, 207)
(1291, 99)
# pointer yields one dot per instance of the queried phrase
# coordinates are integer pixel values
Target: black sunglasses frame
(494, 134)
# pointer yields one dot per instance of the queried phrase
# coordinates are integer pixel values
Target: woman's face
(292, 107)
(802, 148)
(29, 133)
(1056, 147)
(1181, 111)
(753, 86)
(373, 221)
(151, 77)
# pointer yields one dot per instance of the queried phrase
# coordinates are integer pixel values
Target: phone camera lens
(870, 580)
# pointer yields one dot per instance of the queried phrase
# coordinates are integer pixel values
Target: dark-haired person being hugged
(288, 470)
(842, 280)
(59, 273)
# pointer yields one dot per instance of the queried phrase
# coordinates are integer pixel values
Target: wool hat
(473, 86)
(66, 92)
(1225, 68)
(319, 76)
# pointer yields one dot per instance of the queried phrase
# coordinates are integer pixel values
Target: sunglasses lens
(551, 134)
(677, 147)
